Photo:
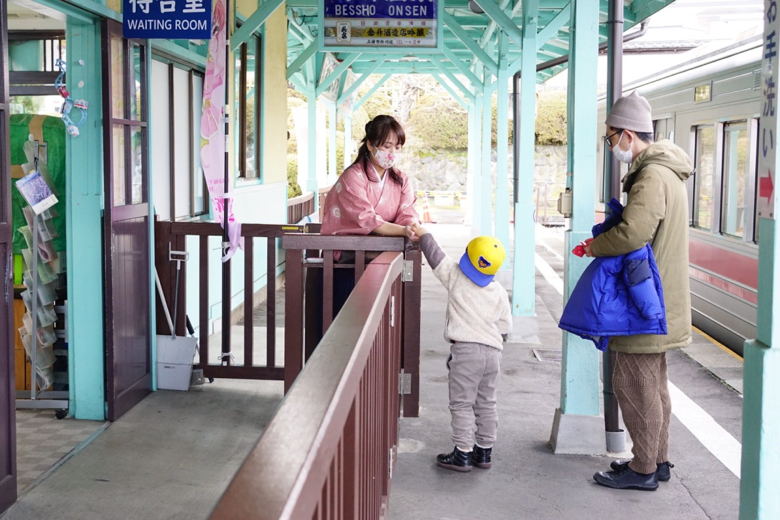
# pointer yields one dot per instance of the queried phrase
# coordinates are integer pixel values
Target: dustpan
(174, 353)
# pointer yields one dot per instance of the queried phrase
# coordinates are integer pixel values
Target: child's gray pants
(474, 371)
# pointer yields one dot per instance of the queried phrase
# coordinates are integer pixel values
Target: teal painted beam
(299, 83)
(502, 145)
(452, 92)
(254, 22)
(466, 92)
(332, 173)
(551, 29)
(302, 58)
(524, 271)
(580, 366)
(358, 82)
(506, 24)
(188, 56)
(341, 69)
(474, 179)
(760, 424)
(312, 183)
(91, 6)
(297, 27)
(371, 91)
(492, 25)
(347, 141)
(486, 204)
(458, 63)
(84, 203)
(471, 44)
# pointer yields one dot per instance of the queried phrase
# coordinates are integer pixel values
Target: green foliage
(293, 189)
(551, 119)
(438, 122)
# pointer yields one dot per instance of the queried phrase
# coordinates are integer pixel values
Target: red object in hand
(579, 249)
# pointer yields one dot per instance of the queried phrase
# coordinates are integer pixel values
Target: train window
(705, 168)
(735, 178)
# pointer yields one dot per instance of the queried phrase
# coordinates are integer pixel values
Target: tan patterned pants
(640, 383)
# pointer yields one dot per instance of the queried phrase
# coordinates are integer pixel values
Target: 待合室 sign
(385, 24)
(169, 19)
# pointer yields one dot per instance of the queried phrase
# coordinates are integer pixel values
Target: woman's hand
(418, 230)
(410, 234)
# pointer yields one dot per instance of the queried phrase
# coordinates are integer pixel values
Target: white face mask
(622, 155)
(385, 159)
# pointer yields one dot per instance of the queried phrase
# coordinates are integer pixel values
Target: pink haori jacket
(359, 203)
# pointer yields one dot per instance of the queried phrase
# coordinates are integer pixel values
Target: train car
(711, 106)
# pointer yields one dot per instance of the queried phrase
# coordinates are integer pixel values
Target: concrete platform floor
(173, 454)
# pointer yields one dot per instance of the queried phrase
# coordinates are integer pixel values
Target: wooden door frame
(8, 388)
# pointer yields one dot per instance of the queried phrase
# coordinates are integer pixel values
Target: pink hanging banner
(212, 128)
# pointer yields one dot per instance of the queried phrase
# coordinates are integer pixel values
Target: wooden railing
(173, 236)
(309, 298)
(300, 206)
(330, 450)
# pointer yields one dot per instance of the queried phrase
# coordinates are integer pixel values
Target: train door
(7, 389)
(126, 222)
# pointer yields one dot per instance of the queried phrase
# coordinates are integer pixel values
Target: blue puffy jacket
(616, 295)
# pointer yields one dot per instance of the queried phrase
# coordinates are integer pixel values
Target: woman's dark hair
(377, 131)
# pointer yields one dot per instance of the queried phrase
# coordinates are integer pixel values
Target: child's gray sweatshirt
(474, 314)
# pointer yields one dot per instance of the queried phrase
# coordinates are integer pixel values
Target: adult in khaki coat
(656, 212)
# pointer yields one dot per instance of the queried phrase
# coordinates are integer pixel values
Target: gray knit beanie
(631, 113)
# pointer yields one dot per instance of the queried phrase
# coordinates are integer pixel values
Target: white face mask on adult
(622, 155)
(385, 159)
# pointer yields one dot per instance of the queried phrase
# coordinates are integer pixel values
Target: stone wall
(446, 170)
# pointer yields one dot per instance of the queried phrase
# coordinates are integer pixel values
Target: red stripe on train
(726, 264)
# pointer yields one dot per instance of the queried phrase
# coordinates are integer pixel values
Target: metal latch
(390, 464)
(407, 274)
(404, 383)
(392, 311)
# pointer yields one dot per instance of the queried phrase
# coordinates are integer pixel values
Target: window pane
(249, 124)
(182, 154)
(137, 135)
(136, 104)
(236, 115)
(197, 172)
(118, 161)
(161, 144)
(117, 76)
(735, 179)
(705, 166)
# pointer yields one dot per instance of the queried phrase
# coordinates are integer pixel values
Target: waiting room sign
(167, 19)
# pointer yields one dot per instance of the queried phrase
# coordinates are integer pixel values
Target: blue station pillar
(578, 426)
(759, 485)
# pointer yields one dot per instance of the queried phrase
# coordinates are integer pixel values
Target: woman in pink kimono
(370, 197)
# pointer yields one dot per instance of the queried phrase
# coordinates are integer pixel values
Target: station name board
(380, 23)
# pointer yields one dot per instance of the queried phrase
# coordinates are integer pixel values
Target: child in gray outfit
(478, 319)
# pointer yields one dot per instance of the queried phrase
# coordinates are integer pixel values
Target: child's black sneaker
(480, 457)
(456, 461)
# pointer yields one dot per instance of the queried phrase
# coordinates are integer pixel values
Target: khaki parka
(656, 212)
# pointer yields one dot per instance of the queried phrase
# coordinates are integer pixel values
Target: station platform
(173, 455)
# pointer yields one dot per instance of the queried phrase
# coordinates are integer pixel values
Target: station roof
(470, 39)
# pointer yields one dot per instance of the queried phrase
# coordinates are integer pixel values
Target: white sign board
(767, 139)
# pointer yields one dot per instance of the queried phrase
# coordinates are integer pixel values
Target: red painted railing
(330, 450)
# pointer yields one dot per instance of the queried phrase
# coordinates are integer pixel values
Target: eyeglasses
(608, 137)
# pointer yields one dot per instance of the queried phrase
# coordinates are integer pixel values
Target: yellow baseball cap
(482, 259)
